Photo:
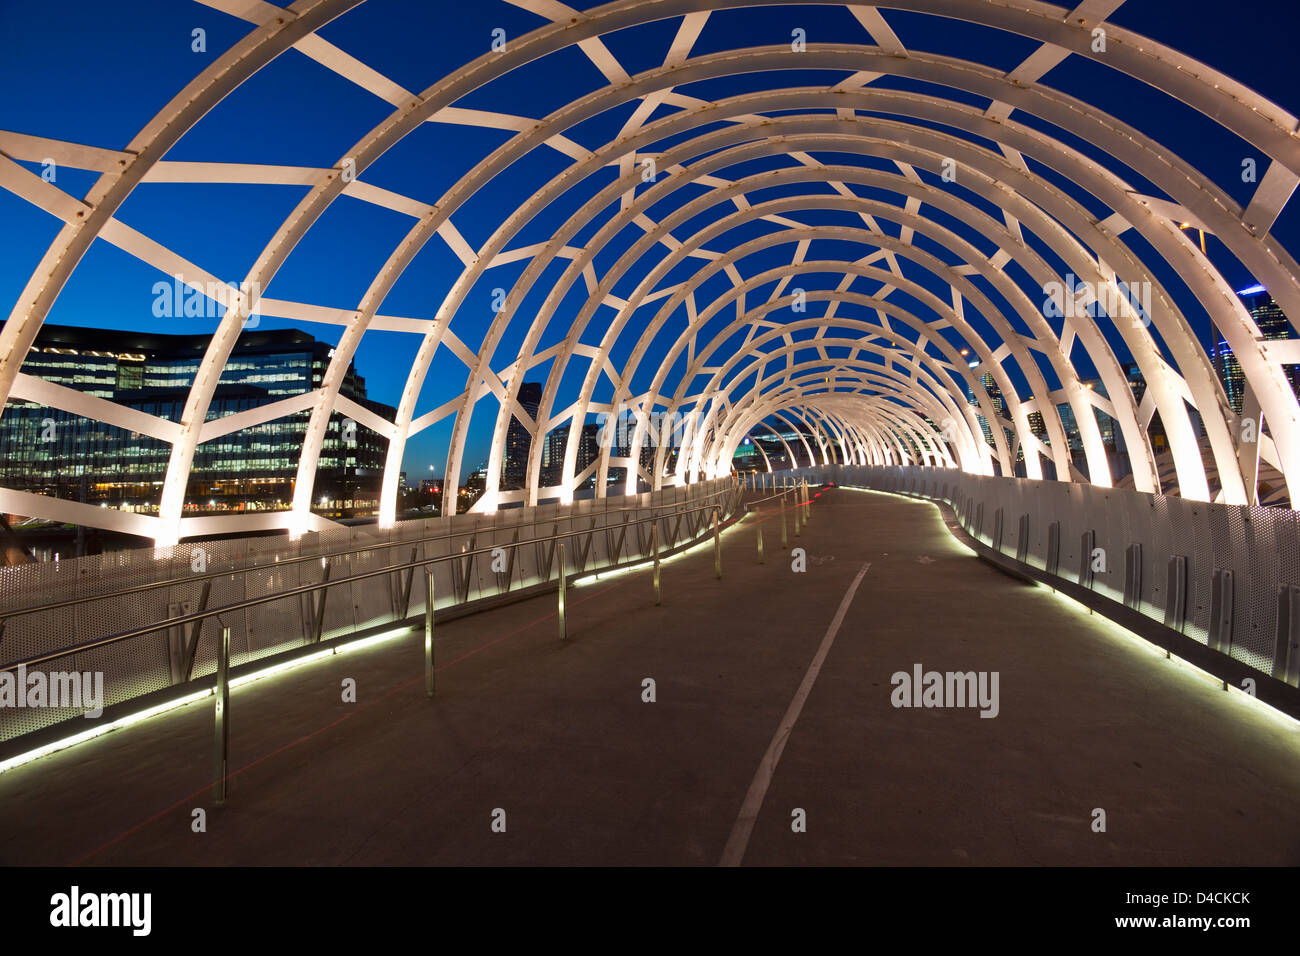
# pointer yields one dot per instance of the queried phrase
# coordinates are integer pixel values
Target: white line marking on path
(739, 839)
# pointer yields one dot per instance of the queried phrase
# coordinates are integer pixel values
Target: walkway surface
(558, 736)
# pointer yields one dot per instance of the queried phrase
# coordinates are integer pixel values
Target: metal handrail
(329, 555)
(780, 494)
(759, 501)
(322, 585)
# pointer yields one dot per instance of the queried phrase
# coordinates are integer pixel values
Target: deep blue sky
(95, 73)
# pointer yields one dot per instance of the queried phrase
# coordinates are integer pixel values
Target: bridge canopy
(611, 247)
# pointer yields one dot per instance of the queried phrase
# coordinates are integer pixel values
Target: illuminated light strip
(1183, 664)
(243, 679)
(128, 720)
(704, 539)
(1234, 692)
(332, 651)
(955, 540)
(100, 730)
(704, 542)
(341, 648)
(617, 572)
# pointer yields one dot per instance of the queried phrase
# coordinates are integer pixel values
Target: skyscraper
(557, 442)
(519, 440)
(995, 399)
(1273, 324)
(557, 439)
(588, 447)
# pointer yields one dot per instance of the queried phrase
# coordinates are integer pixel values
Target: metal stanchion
(760, 544)
(654, 548)
(428, 631)
(221, 755)
(717, 547)
(320, 608)
(785, 537)
(563, 584)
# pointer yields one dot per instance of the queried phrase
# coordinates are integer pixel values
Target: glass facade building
(53, 452)
(1273, 324)
(519, 440)
(557, 443)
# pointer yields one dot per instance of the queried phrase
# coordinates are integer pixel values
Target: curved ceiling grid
(856, 247)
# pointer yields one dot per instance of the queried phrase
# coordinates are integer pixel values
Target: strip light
(157, 710)
(1118, 630)
(128, 720)
(705, 540)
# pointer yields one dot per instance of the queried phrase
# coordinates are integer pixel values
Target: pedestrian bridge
(735, 703)
(831, 366)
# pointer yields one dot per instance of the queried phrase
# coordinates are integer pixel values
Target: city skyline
(116, 280)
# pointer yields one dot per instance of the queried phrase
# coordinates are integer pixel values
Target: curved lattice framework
(856, 180)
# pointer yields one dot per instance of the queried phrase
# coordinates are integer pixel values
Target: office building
(519, 440)
(1273, 324)
(52, 452)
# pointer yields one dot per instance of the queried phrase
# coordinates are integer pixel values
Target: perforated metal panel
(1255, 551)
(237, 570)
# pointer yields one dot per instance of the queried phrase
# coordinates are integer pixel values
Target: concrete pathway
(556, 740)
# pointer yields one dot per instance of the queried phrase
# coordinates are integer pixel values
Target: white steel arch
(877, 407)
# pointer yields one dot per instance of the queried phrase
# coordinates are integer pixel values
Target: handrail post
(221, 728)
(654, 547)
(196, 629)
(320, 608)
(717, 547)
(428, 629)
(406, 595)
(760, 544)
(785, 537)
(563, 584)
